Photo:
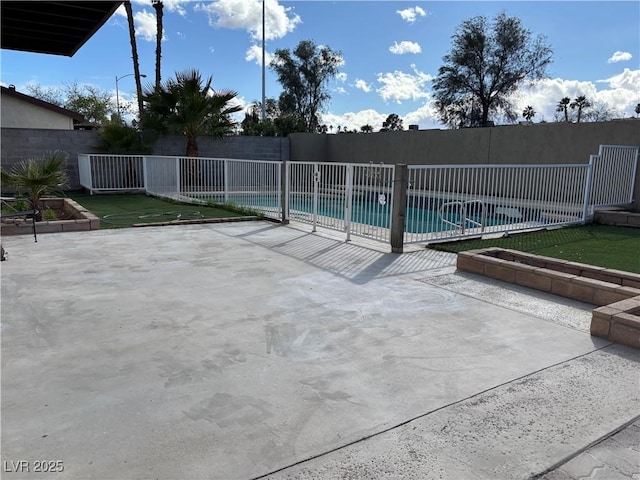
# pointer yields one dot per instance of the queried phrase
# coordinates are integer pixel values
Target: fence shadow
(355, 262)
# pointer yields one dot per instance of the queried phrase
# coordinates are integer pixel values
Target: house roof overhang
(57, 28)
(11, 92)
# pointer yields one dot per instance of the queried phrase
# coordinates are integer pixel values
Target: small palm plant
(37, 177)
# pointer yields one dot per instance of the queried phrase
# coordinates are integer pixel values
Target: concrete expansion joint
(584, 450)
(457, 402)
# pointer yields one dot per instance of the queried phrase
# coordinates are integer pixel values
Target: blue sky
(391, 52)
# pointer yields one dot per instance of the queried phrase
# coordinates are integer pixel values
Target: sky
(391, 51)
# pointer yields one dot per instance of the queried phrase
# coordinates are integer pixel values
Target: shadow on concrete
(354, 262)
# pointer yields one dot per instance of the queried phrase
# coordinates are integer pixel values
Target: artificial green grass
(125, 210)
(600, 245)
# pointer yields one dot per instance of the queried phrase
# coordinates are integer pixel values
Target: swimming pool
(424, 218)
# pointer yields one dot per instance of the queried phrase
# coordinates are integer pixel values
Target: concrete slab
(236, 350)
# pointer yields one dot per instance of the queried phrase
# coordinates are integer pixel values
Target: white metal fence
(446, 202)
(351, 198)
(253, 184)
(613, 176)
(442, 201)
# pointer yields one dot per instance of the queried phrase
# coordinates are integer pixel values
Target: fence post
(348, 194)
(225, 181)
(400, 185)
(284, 190)
(178, 176)
(587, 188)
(144, 174)
(316, 181)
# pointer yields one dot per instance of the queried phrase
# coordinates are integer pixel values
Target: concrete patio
(251, 350)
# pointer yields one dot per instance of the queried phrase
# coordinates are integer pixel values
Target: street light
(117, 92)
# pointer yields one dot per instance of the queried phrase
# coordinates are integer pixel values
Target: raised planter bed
(615, 291)
(618, 218)
(82, 220)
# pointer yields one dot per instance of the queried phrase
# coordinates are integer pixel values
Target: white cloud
(405, 47)
(247, 15)
(426, 117)
(176, 6)
(254, 54)
(354, 120)
(619, 56)
(341, 90)
(145, 23)
(620, 94)
(398, 86)
(362, 85)
(342, 77)
(411, 14)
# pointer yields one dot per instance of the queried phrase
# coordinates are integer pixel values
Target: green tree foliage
(392, 123)
(95, 104)
(563, 107)
(304, 74)
(189, 106)
(581, 104)
(38, 176)
(528, 113)
(121, 139)
(487, 63)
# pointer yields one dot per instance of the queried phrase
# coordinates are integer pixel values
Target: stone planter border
(85, 220)
(615, 292)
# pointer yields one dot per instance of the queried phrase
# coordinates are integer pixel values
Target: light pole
(118, 93)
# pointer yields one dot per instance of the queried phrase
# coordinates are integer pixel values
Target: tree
(188, 106)
(393, 122)
(637, 110)
(157, 5)
(134, 56)
(528, 113)
(253, 124)
(486, 65)
(563, 107)
(366, 128)
(304, 75)
(581, 103)
(37, 177)
(90, 101)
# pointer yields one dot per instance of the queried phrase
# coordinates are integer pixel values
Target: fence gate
(352, 198)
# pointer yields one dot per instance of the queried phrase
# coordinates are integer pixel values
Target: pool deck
(254, 350)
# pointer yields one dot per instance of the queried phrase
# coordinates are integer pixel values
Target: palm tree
(563, 106)
(38, 177)
(528, 113)
(581, 103)
(157, 5)
(134, 55)
(188, 106)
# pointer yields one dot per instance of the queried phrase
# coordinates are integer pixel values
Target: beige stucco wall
(18, 114)
(517, 144)
(546, 143)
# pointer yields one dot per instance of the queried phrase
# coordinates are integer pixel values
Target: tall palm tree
(581, 103)
(188, 106)
(157, 5)
(134, 55)
(563, 106)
